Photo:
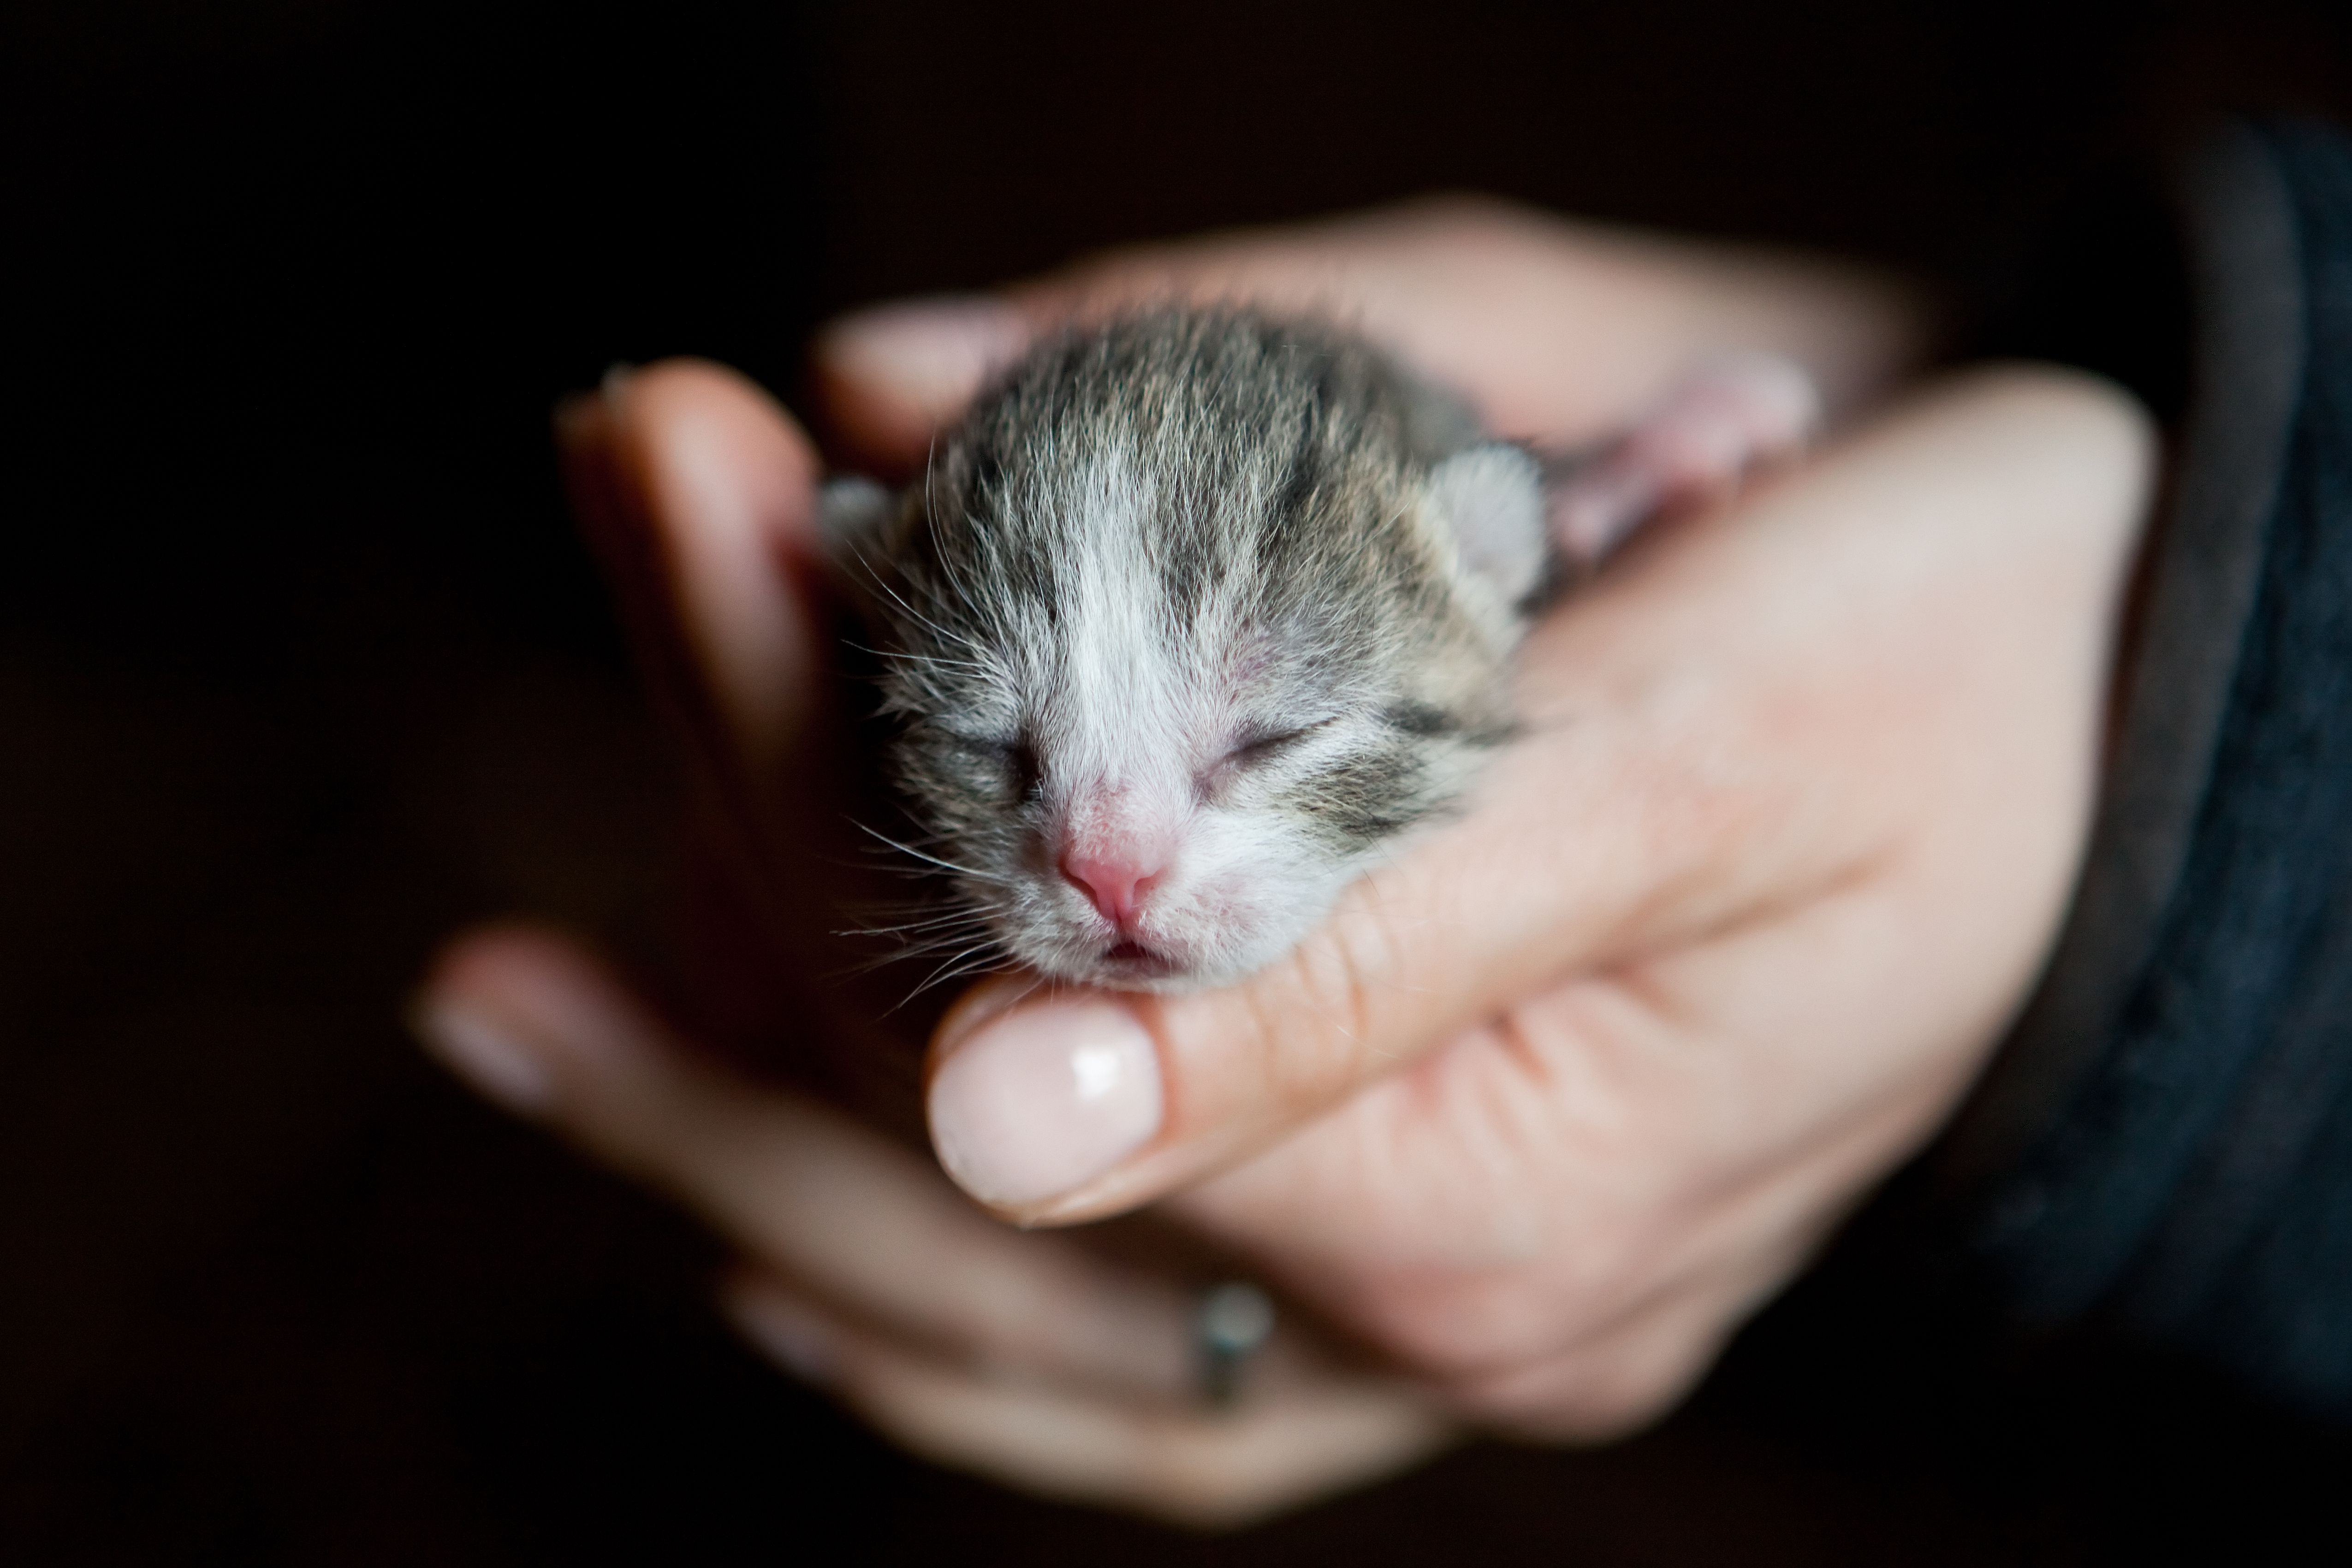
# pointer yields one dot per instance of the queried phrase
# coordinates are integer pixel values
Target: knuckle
(1314, 1029)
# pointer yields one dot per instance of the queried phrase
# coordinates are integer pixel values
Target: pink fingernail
(486, 1055)
(931, 351)
(1042, 1101)
(784, 1331)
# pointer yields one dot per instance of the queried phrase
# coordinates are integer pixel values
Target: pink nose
(1116, 882)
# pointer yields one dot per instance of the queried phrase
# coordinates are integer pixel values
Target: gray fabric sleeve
(2166, 1138)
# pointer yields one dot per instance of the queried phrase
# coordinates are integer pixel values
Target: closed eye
(1265, 745)
(1017, 757)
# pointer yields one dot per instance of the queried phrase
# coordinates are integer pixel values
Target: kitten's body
(1190, 619)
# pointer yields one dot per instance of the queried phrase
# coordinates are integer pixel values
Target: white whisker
(931, 859)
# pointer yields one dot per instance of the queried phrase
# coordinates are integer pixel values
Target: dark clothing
(2167, 1139)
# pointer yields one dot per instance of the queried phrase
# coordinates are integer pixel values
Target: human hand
(1553, 1101)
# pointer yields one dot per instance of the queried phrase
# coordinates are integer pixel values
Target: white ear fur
(1493, 495)
(850, 511)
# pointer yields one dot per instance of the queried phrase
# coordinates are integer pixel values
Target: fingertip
(727, 484)
(583, 419)
(718, 412)
(890, 376)
(519, 1012)
(1031, 1105)
(580, 422)
(1074, 1106)
(460, 1015)
(482, 1053)
(487, 959)
(781, 1325)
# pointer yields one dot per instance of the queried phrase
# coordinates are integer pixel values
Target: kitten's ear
(1493, 495)
(853, 516)
(850, 513)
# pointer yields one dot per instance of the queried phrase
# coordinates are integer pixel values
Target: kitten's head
(1184, 627)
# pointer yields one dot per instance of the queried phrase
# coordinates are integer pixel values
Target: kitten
(1198, 612)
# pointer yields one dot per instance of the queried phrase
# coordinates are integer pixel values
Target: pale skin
(1558, 1097)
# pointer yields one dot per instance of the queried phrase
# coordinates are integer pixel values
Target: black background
(300, 667)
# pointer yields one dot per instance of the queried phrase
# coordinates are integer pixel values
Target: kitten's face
(1164, 693)
(1147, 788)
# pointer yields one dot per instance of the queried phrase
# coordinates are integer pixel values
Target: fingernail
(579, 413)
(929, 352)
(784, 1331)
(1041, 1101)
(577, 419)
(486, 1056)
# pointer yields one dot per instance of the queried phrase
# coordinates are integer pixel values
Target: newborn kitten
(1197, 612)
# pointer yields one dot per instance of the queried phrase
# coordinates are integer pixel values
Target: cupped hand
(1554, 1099)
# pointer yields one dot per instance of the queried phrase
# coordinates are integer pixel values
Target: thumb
(1069, 1106)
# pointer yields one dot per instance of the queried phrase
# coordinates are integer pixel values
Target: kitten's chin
(1138, 966)
(1197, 950)
(1131, 966)
(1170, 971)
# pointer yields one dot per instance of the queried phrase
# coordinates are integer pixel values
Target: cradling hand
(1551, 1102)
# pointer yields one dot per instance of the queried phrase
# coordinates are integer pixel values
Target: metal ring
(1233, 1321)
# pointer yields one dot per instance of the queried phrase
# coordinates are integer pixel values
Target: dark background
(300, 667)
